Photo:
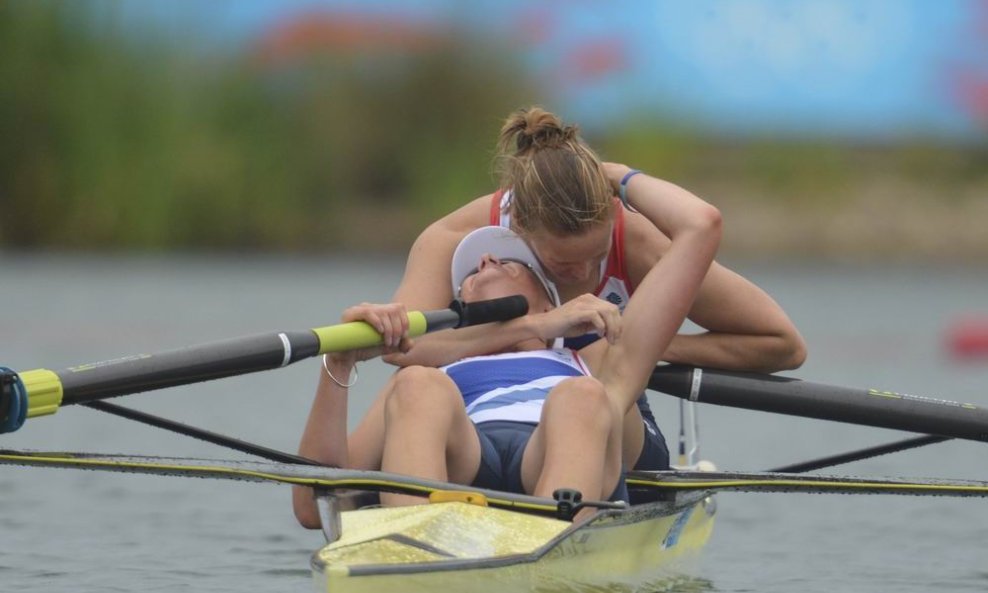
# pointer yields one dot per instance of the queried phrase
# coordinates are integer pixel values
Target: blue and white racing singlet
(512, 386)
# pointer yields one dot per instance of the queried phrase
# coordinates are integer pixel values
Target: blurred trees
(343, 131)
(112, 137)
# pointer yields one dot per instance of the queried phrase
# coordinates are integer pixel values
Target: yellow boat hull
(464, 548)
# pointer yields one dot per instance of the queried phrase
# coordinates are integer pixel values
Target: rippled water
(64, 530)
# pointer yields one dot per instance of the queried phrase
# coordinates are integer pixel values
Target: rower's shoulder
(440, 238)
(472, 215)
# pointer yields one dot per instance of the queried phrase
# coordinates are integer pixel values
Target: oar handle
(357, 334)
(47, 390)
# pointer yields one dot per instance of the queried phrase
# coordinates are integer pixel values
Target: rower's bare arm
(426, 282)
(666, 293)
(426, 285)
(325, 436)
(745, 328)
(448, 346)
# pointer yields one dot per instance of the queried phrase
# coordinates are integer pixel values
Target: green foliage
(119, 139)
(118, 136)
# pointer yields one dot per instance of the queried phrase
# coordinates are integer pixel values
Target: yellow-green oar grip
(358, 334)
(44, 392)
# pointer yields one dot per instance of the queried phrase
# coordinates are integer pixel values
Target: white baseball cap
(505, 245)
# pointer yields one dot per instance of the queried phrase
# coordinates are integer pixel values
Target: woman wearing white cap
(533, 418)
(560, 199)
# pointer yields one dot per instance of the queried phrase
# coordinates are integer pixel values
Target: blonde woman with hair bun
(596, 228)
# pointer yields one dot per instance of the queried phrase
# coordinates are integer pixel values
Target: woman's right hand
(582, 315)
(390, 320)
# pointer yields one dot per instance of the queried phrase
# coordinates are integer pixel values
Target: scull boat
(469, 539)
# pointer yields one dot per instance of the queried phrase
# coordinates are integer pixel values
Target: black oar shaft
(870, 407)
(47, 390)
(194, 364)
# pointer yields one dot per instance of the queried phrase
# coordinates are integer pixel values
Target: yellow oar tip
(44, 392)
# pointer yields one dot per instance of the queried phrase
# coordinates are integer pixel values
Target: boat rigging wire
(200, 433)
(860, 454)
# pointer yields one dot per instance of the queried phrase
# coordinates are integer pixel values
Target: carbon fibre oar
(794, 397)
(282, 473)
(677, 480)
(44, 391)
(669, 481)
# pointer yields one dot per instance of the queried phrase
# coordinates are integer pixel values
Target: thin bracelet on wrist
(623, 188)
(337, 381)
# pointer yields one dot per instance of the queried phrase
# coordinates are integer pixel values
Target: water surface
(62, 530)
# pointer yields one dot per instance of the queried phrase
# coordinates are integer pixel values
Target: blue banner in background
(855, 69)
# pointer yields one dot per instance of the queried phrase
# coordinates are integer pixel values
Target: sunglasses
(511, 260)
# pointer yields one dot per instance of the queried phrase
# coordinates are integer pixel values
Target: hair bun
(536, 128)
(557, 181)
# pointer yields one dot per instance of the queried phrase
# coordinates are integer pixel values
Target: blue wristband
(623, 188)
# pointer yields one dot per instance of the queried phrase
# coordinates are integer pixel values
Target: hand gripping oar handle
(45, 390)
(357, 334)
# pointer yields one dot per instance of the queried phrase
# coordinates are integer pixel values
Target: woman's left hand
(584, 314)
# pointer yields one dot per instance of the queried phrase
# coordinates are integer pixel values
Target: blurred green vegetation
(112, 137)
(797, 172)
